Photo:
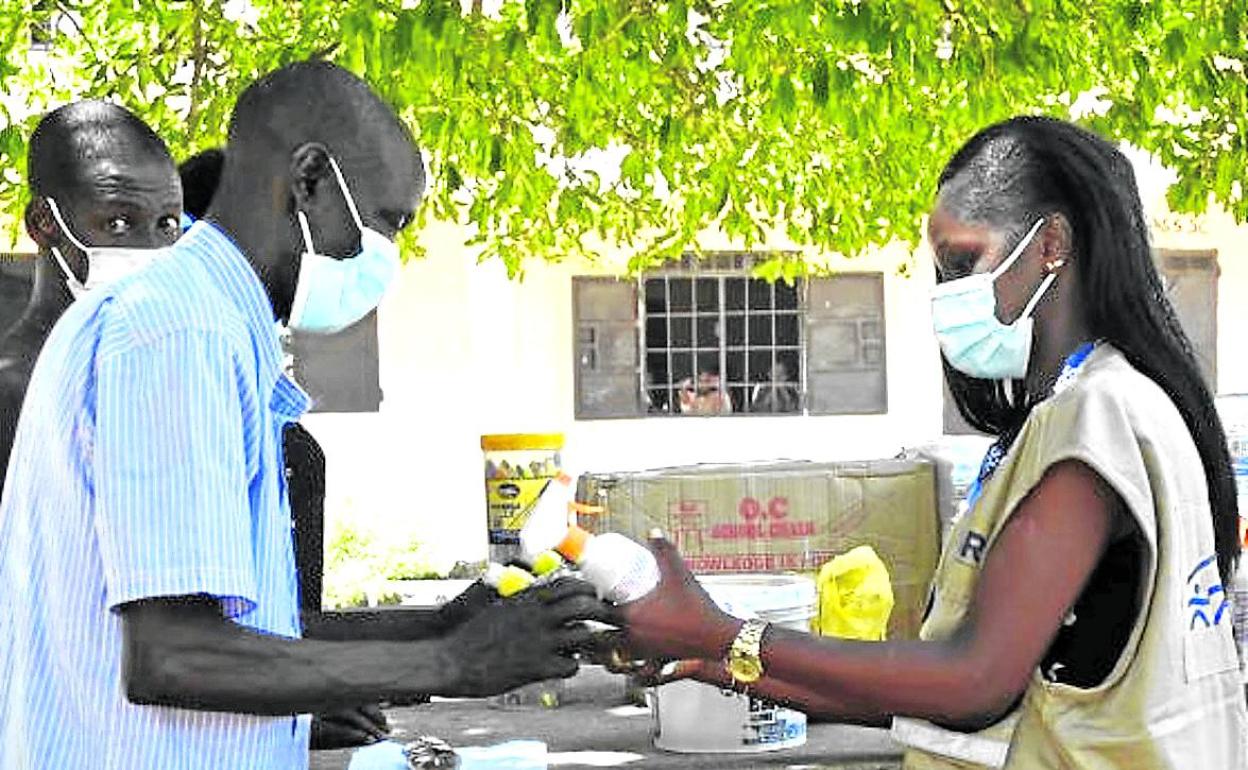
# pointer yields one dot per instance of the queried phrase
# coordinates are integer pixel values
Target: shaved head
(71, 139)
(320, 102)
(111, 176)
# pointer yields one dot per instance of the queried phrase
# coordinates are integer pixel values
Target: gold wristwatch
(745, 662)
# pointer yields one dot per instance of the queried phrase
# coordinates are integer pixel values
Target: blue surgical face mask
(332, 293)
(105, 264)
(973, 339)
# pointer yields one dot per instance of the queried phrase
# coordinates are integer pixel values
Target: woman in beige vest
(1080, 594)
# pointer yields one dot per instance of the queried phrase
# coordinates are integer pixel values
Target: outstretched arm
(1031, 578)
(182, 652)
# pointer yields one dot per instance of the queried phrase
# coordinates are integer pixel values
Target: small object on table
(547, 562)
(430, 753)
(385, 755)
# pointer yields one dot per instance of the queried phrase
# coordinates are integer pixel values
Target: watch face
(744, 670)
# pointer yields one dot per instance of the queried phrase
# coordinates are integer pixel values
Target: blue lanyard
(996, 452)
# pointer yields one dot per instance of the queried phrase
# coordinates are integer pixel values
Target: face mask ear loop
(346, 193)
(60, 260)
(307, 232)
(56, 214)
(1018, 250)
(1039, 295)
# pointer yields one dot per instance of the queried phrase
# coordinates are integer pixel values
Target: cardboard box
(956, 460)
(781, 517)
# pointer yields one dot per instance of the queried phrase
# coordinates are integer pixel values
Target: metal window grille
(704, 337)
(716, 341)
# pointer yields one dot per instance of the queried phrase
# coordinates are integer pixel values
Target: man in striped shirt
(148, 602)
(305, 470)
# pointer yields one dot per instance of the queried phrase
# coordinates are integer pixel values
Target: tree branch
(67, 12)
(199, 56)
(323, 53)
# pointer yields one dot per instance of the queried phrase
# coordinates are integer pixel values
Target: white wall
(1219, 232)
(465, 351)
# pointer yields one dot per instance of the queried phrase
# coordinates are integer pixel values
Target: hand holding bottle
(677, 619)
(531, 636)
(622, 570)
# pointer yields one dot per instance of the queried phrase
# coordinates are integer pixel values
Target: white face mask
(333, 293)
(973, 339)
(105, 264)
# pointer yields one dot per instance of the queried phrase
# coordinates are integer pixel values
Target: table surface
(595, 726)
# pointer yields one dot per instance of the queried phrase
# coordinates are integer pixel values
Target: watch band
(745, 662)
(750, 637)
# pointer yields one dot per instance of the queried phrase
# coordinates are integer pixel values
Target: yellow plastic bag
(855, 596)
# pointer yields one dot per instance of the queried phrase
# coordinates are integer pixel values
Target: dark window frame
(1171, 262)
(870, 339)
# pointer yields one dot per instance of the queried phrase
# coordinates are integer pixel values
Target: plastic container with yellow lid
(517, 468)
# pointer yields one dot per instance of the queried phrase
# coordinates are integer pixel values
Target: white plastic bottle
(621, 569)
(548, 520)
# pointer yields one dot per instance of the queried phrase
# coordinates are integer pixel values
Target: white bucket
(693, 718)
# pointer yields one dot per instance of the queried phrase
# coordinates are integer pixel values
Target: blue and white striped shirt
(147, 463)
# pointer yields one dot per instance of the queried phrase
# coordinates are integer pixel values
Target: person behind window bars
(778, 394)
(705, 395)
(655, 394)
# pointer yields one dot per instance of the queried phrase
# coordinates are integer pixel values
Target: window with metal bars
(721, 344)
(707, 338)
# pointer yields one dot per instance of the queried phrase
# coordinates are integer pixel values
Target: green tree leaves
(827, 120)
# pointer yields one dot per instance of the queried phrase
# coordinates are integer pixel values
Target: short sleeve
(172, 508)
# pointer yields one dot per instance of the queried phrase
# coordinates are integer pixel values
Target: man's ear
(40, 225)
(309, 169)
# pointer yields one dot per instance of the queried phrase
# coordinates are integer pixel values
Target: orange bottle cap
(573, 544)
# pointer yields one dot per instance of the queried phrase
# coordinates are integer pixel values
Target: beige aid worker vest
(1173, 699)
